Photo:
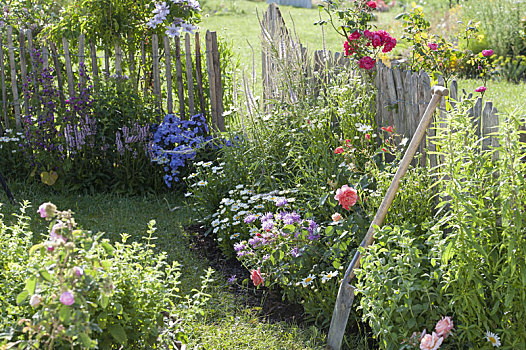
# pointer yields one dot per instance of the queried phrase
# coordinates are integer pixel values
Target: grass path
(227, 323)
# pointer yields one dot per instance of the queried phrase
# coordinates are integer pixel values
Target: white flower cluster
(10, 138)
(178, 26)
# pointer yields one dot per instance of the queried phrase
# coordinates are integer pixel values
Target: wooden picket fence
(151, 70)
(402, 95)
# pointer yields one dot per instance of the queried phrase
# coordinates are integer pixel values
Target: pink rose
(481, 89)
(444, 327)
(366, 63)
(78, 271)
(368, 34)
(56, 230)
(367, 137)
(346, 197)
(433, 46)
(371, 4)
(355, 35)
(338, 150)
(255, 276)
(337, 217)
(67, 298)
(487, 53)
(35, 300)
(431, 342)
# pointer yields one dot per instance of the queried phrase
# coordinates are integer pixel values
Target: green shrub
(400, 284)
(77, 290)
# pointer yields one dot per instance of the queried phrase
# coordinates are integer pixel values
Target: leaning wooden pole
(345, 297)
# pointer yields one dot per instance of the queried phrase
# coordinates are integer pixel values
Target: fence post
(189, 75)
(82, 58)
(156, 74)
(199, 74)
(179, 77)
(14, 86)
(23, 69)
(218, 87)
(58, 72)
(168, 66)
(4, 92)
(69, 70)
(211, 80)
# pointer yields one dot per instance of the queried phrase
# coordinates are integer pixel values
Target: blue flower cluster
(175, 142)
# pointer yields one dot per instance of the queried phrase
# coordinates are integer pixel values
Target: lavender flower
(232, 279)
(268, 225)
(250, 218)
(239, 246)
(291, 218)
(280, 202)
(295, 252)
(267, 216)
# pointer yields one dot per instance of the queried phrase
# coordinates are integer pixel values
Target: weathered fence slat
(143, 64)
(107, 62)
(58, 72)
(82, 59)
(69, 70)
(118, 60)
(218, 88)
(94, 63)
(156, 73)
(14, 86)
(211, 79)
(168, 68)
(45, 57)
(4, 92)
(34, 73)
(179, 77)
(199, 74)
(189, 75)
(23, 69)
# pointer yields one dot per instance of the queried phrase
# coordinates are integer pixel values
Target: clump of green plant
(400, 284)
(75, 289)
(484, 251)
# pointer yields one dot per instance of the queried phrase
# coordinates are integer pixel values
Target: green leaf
(85, 340)
(336, 264)
(21, 297)
(118, 333)
(108, 248)
(35, 248)
(31, 284)
(45, 275)
(104, 300)
(106, 264)
(64, 313)
(323, 199)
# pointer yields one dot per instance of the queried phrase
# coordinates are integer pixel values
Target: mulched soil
(273, 308)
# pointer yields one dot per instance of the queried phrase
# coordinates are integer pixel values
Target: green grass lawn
(228, 323)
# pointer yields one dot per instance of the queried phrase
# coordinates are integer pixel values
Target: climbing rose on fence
(366, 63)
(433, 46)
(487, 53)
(346, 196)
(481, 89)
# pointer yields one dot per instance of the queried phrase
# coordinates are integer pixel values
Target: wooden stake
(345, 297)
(4, 92)
(69, 70)
(58, 72)
(156, 74)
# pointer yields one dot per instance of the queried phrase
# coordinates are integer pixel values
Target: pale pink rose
(255, 276)
(337, 217)
(47, 210)
(444, 327)
(346, 196)
(35, 300)
(55, 236)
(78, 271)
(431, 342)
(67, 298)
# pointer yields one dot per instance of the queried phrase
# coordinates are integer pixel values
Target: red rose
(346, 197)
(366, 63)
(255, 276)
(388, 129)
(371, 4)
(338, 150)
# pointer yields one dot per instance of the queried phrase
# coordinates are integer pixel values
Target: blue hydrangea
(175, 143)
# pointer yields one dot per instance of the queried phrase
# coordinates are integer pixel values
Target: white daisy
(235, 207)
(234, 236)
(215, 223)
(207, 164)
(328, 276)
(192, 175)
(238, 187)
(307, 281)
(493, 338)
(202, 183)
(188, 194)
